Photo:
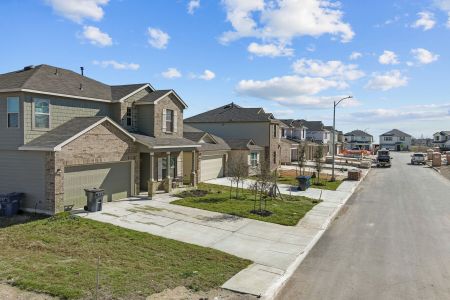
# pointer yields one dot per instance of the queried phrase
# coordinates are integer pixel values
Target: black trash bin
(94, 199)
(10, 204)
(304, 182)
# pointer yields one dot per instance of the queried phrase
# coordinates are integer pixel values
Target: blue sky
(292, 57)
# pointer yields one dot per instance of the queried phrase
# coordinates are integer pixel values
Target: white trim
(178, 146)
(135, 92)
(59, 146)
(63, 95)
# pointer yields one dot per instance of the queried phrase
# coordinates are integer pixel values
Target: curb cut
(275, 288)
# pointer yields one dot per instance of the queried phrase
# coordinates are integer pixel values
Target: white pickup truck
(418, 159)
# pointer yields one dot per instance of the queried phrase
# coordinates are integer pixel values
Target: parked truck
(384, 158)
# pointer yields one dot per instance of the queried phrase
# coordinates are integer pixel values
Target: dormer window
(169, 121)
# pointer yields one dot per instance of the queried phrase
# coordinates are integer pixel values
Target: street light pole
(333, 178)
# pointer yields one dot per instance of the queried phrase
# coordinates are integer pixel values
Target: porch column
(151, 182)
(194, 168)
(168, 180)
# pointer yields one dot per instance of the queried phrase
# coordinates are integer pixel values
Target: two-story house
(62, 132)
(395, 140)
(358, 140)
(441, 139)
(233, 122)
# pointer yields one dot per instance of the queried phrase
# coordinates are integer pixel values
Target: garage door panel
(114, 178)
(211, 167)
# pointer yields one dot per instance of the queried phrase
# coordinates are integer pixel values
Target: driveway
(392, 241)
(273, 248)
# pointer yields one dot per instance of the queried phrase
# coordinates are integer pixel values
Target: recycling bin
(94, 199)
(304, 182)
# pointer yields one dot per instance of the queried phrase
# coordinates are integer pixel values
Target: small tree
(265, 181)
(318, 160)
(301, 155)
(238, 170)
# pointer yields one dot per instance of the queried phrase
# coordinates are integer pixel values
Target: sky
(291, 57)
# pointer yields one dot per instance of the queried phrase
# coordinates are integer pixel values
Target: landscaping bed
(324, 183)
(286, 211)
(58, 256)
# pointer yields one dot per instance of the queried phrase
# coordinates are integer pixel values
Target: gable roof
(57, 138)
(56, 81)
(445, 132)
(231, 113)
(196, 135)
(242, 144)
(164, 142)
(395, 132)
(313, 125)
(358, 133)
(155, 96)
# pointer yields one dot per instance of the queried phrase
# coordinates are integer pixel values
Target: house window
(129, 117)
(169, 120)
(13, 112)
(167, 171)
(388, 138)
(402, 138)
(283, 132)
(254, 159)
(41, 113)
(274, 157)
(274, 131)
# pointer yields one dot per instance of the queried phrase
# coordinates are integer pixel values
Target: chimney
(82, 71)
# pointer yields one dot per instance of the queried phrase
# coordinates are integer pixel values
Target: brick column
(194, 168)
(151, 182)
(168, 180)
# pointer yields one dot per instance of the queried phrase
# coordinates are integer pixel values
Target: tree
(318, 160)
(264, 183)
(301, 155)
(238, 170)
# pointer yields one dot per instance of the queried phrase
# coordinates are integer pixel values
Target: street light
(334, 133)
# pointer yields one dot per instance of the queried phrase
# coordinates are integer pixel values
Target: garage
(211, 167)
(115, 178)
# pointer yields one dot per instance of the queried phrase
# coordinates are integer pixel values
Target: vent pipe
(82, 71)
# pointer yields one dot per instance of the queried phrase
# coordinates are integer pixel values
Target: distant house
(442, 140)
(296, 130)
(426, 142)
(338, 144)
(358, 139)
(395, 140)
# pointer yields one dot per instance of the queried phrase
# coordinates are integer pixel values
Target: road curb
(275, 288)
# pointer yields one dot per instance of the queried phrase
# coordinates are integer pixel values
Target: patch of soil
(8, 292)
(262, 213)
(192, 193)
(182, 293)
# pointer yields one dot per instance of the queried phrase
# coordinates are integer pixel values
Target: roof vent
(27, 68)
(81, 86)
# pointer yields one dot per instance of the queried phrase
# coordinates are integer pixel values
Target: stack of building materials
(354, 174)
(437, 159)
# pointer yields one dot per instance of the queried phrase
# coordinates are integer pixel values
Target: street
(391, 241)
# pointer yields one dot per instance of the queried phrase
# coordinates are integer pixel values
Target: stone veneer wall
(104, 143)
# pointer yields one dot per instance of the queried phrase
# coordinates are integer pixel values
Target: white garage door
(114, 178)
(211, 167)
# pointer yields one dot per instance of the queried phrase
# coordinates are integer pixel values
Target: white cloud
(171, 73)
(388, 58)
(283, 20)
(96, 37)
(158, 38)
(116, 65)
(193, 5)
(77, 10)
(271, 50)
(207, 75)
(387, 81)
(423, 56)
(444, 5)
(355, 55)
(433, 112)
(333, 68)
(426, 21)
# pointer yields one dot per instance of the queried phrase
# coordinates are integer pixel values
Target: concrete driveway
(273, 248)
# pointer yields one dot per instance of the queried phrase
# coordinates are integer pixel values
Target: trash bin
(304, 182)
(94, 199)
(354, 174)
(10, 204)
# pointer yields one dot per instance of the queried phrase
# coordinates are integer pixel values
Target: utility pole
(333, 178)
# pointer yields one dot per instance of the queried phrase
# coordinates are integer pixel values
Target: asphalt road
(391, 241)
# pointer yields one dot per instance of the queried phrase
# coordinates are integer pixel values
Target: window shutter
(164, 129)
(160, 162)
(175, 121)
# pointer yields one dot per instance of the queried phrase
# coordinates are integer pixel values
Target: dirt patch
(182, 293)
(21, 218)
(192, 193)
(8, 292)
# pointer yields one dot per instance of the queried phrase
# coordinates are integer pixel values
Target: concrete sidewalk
(276, 250)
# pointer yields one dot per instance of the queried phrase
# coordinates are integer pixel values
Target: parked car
(384, 158)
(418, 158)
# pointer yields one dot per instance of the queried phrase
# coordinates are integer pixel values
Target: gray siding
(258, 131)
(146, 119)
(11, 138)
(61, 111)
(24, 171)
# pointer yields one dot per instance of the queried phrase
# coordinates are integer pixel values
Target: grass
(58, 256)
(321, 184)
(285, 212)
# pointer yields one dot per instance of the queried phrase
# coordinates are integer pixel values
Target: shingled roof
(358, 133)
(231, 113)
(396, 132)
(54, 80)
(312, 125)
(196, 135)
(242, 144)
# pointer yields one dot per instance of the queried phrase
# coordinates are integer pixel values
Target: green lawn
(322, 184)
(58, 256)
(285, 212)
